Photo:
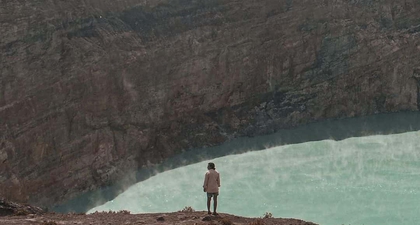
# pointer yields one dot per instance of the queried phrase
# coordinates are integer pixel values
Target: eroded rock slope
(92, 90)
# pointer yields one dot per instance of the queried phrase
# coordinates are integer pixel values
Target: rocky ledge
(119, 218)
(12, 213)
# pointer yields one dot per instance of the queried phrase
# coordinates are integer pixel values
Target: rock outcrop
(90, 91)
(8, 208)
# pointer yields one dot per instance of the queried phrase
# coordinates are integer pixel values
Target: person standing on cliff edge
(211, 186)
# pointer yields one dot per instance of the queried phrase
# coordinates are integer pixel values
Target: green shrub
(267, 215)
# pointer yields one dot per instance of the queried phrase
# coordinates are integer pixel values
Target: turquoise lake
(368, 180)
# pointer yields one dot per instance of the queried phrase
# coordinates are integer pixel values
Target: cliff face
(92, 90)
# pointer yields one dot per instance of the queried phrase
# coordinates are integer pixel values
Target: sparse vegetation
(124, 212)
(267, 215)
(187, 209)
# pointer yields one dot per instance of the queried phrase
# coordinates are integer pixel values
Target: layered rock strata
(90, 90)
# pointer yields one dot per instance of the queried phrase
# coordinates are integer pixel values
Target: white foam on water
(363, 180)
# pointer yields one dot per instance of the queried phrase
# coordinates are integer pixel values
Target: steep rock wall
(92, 90)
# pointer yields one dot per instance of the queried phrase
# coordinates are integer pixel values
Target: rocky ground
(123, 217)
(12, 213)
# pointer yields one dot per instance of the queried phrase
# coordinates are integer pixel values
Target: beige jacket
(211, 181)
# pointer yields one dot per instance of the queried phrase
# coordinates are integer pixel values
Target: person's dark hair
(212, 166)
